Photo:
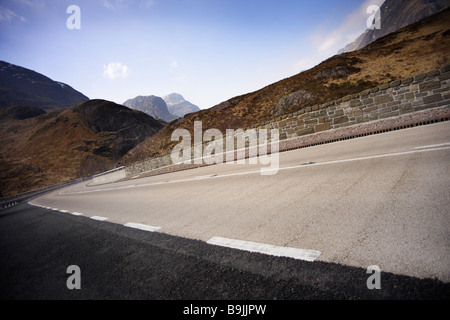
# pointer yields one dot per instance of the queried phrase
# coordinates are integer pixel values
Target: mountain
(396, 14)
(151, 105)
(178, 106)
(39, 148)
(415, 49)
(120, 127)
(21, 86)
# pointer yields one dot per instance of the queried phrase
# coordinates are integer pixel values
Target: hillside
(396, 14)
(415, 49)
(21, 86)
(38, 149)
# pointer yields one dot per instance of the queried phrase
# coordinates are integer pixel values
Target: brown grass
(46, 150)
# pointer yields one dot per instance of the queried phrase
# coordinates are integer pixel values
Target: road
(378, 200)
(38, 245)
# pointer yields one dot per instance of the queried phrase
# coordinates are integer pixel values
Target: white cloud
(115, 70)
(118, 4)
(108, 5)
(174, 64)
(147, 3)
(7, 15)
(112, 5)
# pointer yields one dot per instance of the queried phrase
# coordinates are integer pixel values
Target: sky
(207, 50)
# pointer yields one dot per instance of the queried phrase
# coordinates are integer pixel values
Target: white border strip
(141, 226)
(299, 254)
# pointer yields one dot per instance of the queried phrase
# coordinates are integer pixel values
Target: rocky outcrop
(292, 100)
(337, 72)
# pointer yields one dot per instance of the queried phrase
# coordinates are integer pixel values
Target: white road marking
(76, 213)
(142, 227)
(99, 218)
(263, 170)
(364, 158)
(300, 254)
(433, 146)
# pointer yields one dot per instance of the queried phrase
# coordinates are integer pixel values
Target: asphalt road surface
(116, 262)
(379, 200)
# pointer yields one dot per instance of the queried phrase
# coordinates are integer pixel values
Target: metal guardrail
(16, 199)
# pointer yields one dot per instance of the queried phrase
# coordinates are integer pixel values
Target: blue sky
(207, 50)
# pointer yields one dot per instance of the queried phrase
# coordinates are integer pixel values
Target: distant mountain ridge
(151, 105)
(21, 86)
(178, 106)
(396, 14)
(169, 108)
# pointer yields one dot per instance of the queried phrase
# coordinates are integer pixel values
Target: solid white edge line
(99, 218)
(268, 170)
(299, 254)
(433, 146)
(141, 226)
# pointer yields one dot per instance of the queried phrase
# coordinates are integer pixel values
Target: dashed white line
(295, 253)
(300, 254)
(142, 226)
(99, 218)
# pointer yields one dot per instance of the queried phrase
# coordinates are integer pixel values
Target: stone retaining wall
(400, 97)
(411, 101)
(110, 177)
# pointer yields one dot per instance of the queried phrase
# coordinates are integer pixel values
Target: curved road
(379, 200)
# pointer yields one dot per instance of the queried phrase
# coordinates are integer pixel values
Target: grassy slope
(42, 151)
